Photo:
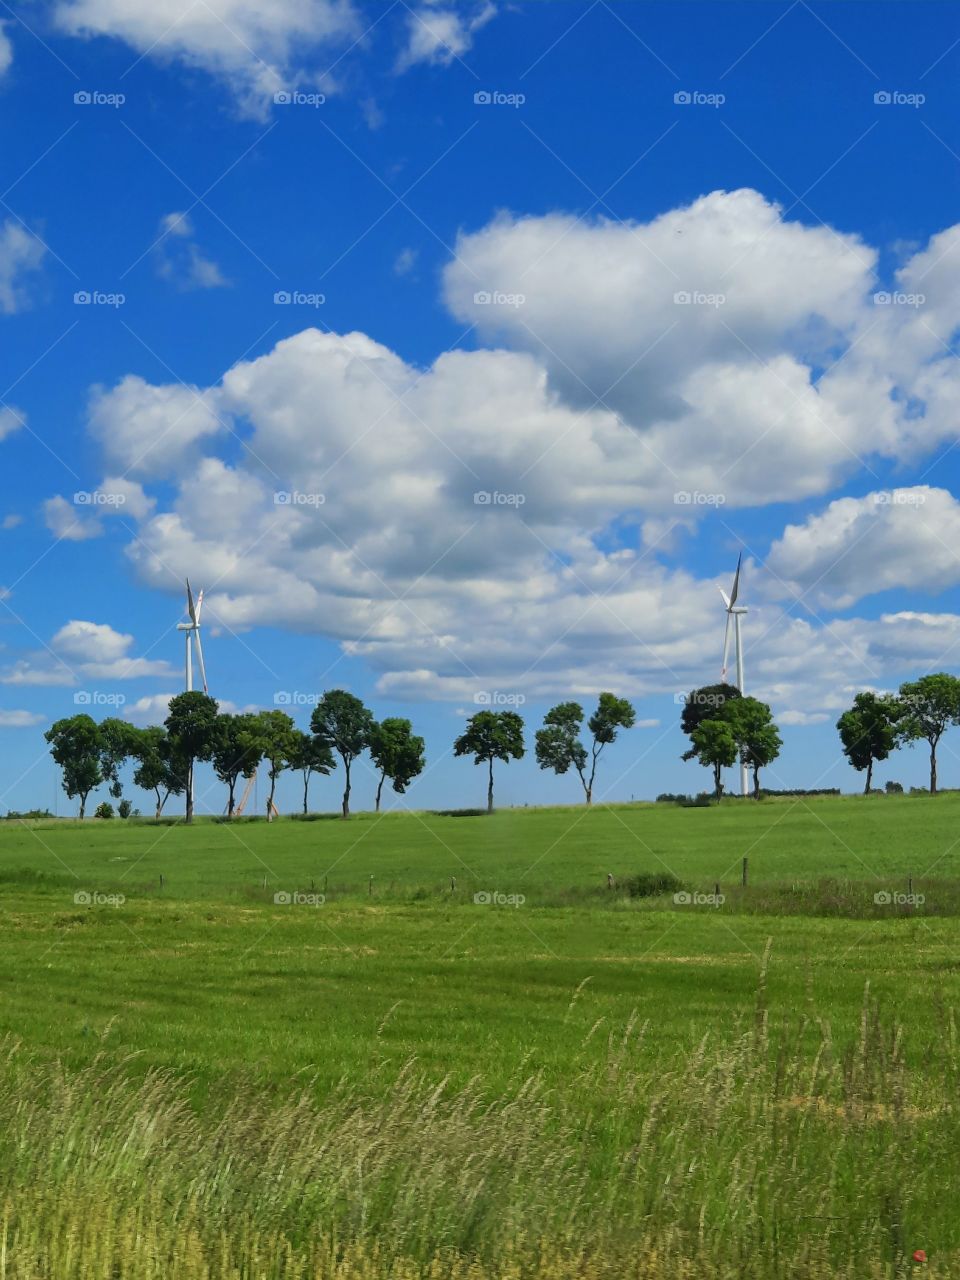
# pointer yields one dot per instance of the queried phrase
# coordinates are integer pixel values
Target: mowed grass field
(582, 1082)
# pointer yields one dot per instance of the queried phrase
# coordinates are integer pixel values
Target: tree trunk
(756, 782)
(273, 785)
(933, 768)
(866, 789)
(83, 804)
(232, 784)
(717, 784)
(306, 784)
(380, 788)
(490, 789)
(189, 814)
(159, 803)
(589, 791)
(346, 791)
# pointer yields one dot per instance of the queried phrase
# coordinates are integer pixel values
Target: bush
(31, 814)
(802, 791)
(894, 789)
(104, 810)
(651, 884)
(124, 809)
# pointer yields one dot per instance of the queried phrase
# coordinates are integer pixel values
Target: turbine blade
(726, 598)
(190, 607)
(196, 617)
(736, 581)
(203, 673)
(726, 649)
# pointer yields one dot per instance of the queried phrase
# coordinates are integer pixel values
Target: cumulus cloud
(11, 420)
(82, 518)
(20, 254)
(82, 651)
(486, 522)
(255, 49)
(906, 538)
(437, 34)
(6, 50)
(181, 260)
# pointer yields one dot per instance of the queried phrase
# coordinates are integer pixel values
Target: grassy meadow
(567, 1079)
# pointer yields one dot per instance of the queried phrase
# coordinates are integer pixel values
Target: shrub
(651, 884)
(124, 809)
(894, 788)
(104, 810)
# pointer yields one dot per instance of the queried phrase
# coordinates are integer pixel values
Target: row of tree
(724, 727)
(877, 723)
(164, 756)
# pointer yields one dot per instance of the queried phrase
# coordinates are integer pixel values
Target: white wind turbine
(192, 636)
(736, 612)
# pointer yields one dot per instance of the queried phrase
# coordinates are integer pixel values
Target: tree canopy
(489, 736)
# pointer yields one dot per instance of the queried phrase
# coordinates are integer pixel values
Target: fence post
(744, 881)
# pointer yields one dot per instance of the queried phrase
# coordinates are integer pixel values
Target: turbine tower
(191, 631)
(736, 612)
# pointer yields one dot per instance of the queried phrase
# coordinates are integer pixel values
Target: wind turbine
(736, 612)
(191, 631)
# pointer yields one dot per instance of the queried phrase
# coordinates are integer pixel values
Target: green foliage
(489, 736)
(276, 737)
(162, 767)
(104, 810)
(237, 750)
(757, 737)
(397, 752)
(558, 745)
(75, 746)
(125, 808)
(192, 726)
(715, 747)
(343, 724)
(652, 884)
(117, 742)
(927, 707)
(868, 731)
(309, 755)
(703, 704)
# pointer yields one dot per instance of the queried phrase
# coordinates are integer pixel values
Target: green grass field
(582, 1016)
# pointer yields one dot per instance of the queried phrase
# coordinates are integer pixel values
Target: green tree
(757, 737)
(343, 724)
(236, 752)
(703, 704)
(927, 707)
(277, 739)
(715, 747)
(117, 741)
(558, 744)
(161, 768)
(192, 726)
(310, 756)
(868, 731)
(75, 746)
(489, 736)
(397, 752)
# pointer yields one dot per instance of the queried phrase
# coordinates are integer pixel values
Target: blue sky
(813, 422)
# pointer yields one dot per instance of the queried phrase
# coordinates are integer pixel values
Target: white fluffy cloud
(906, 538)
(6, 59)
(20, 254)
(181, 260)
(82, 651)
(437, 34)
(82, 518)
(474, 525)
(255, 48)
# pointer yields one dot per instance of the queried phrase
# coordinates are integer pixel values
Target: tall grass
(751, 1157)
